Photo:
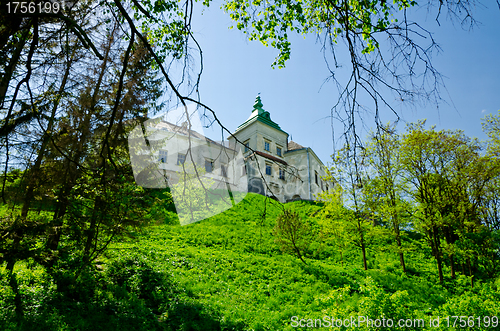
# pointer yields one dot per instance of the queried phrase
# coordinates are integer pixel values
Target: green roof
(261, 115)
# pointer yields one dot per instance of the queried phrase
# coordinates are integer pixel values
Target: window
(327, 187)
(209, 165)
(266, 146)
(316, 177)
(278, 151)
(223, 170)
(244, 170)
(162, 156)
(181, 158)
(247, 146)
(282, 174)
(268, 169)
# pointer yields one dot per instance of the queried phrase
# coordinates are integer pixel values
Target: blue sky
(236, 70)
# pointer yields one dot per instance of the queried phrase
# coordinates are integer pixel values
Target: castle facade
(258, 157)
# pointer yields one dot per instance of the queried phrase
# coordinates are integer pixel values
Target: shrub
(293, 235)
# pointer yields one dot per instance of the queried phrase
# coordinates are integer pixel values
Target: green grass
(226, 273)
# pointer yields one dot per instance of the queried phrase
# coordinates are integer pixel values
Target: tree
(293, 234)
(491, 202)
(69, 135)
(194, 195)
(390, 54)
(333, 221)
(74, 81)
(346, 215)
(447, 178)
(385, 193)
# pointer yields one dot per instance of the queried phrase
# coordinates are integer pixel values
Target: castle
(275, 166)
(257, 157)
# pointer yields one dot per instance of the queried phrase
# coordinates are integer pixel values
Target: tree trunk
(362, 244)
(440, 268)
(45, 142)
(469, 266)
(92, 231)
(437, 254)
(363, 250)
(9, 69)
(11, 261)
(401, 255)
(451, 256)
(452, 265)
(402, 261)
(73, 167)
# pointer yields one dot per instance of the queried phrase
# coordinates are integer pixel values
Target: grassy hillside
(226, 273)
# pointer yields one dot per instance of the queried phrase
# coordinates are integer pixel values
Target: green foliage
(194, 195)
(271, 22)
(162, 22)
(161, 210)
(293, 234)
(422, 189)
(77, 193)
(446, 176)
(371, 301)
(227, 273)
(345, 216)
(12, 185)
(491, 126)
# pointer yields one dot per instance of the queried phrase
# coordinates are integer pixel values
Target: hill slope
(226, 273)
